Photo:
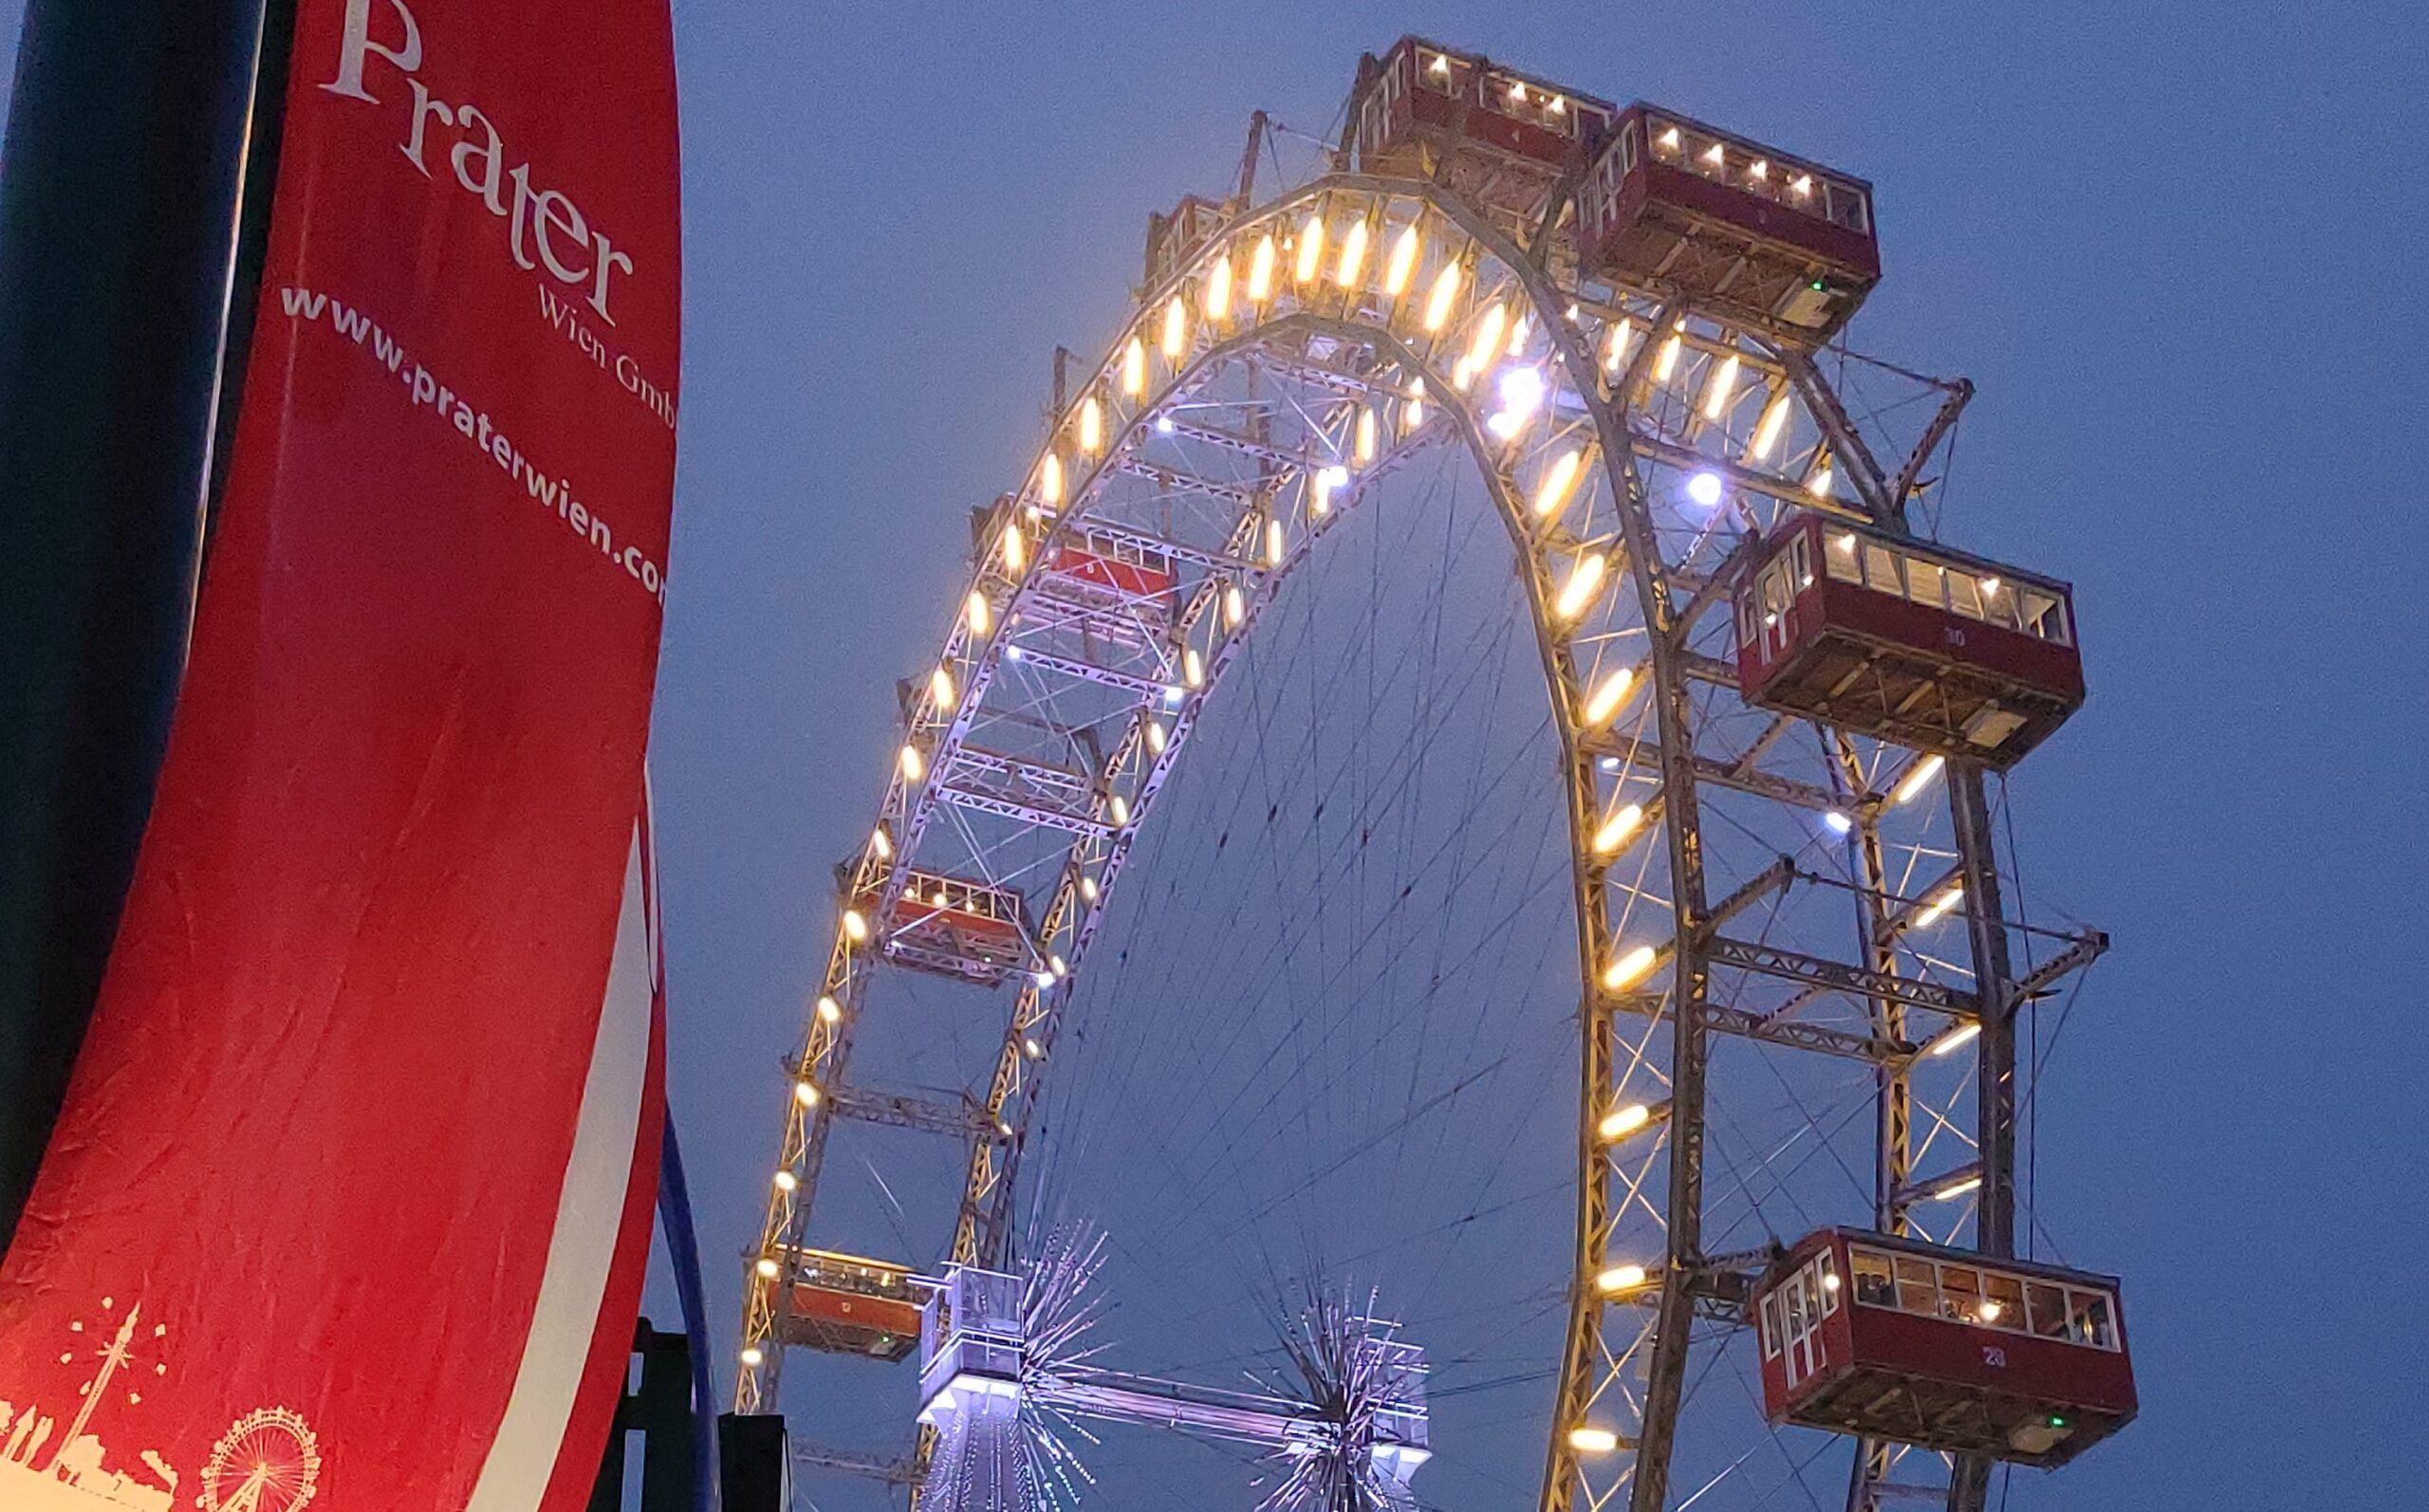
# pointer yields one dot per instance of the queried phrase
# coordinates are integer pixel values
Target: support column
(1995, 1093)
(1993, 977)
(1893, 1162)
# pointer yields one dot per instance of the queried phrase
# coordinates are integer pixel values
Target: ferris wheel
(267, 1461)
(1790, 961)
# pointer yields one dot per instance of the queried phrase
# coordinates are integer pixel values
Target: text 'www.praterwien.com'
(554, 495)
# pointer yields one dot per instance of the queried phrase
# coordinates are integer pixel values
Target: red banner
(348, 1205)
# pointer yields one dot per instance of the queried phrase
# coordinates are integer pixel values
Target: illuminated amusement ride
(1785, 1071)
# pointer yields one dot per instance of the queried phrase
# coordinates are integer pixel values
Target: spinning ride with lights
(1780, 713)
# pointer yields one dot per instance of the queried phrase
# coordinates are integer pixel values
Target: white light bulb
(1438, 301)
(1403, 261)
(1585, 579)
(1920, 778)
(1606, 698)
(1629, 969)
(1957, 1039)
(1311, 251)
(1218, 290)
(1621, 1123)
(1616, 829)
(1560, 479)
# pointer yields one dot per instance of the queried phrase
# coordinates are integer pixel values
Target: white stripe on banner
(590, 1214)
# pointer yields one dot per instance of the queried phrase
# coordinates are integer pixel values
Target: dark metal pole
(119, 190)
(1969, 1481)
(683, 1251)
(1995, 979)
(661, 1410)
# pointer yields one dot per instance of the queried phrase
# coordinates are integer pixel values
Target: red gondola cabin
(1738, 228)
(1112, 572)
(1944, 1348)
(1501, 138)
(1909, 641)
(844, 1304)
(956, 928)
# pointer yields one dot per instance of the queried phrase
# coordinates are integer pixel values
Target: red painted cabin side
(845, 1305)
(1909, 641)
(1131, 576)
(1945, 1349)
(955, 928)
(1740, 228)
(1506, 137)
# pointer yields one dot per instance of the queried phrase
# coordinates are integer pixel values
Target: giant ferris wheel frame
(1315, 371)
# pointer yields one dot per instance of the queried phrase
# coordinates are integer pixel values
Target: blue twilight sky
(2178, 248)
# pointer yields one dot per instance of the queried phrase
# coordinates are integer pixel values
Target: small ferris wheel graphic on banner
(267, 1461)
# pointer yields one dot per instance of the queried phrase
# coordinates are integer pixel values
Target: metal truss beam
(1913, 1192)
(1773, 878)
(1896, 922)
(1796, 1035)
(1173, 480)
(1855, 460)
(1902, 487)
(1718, 773)
(1708, 669)
(1143, 687)
(1067, 820)
(1710, 589)
(1780, 725)
(1670, 454)
(1722, 1285)
(898, 1110)
(1021, 718)
(1353, 385)
(1178, 550)
(1062, 603)
(2089, 946)
(903, 1471)
(1811, 971)
(1249, 445)
(1038, 774)
(1752, 1263)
